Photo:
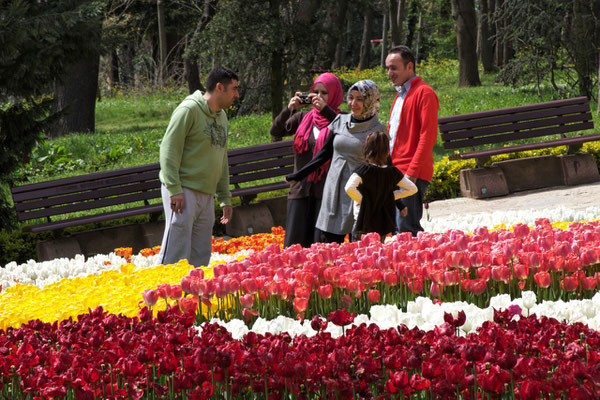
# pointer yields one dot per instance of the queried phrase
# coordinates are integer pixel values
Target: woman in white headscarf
(344, 147)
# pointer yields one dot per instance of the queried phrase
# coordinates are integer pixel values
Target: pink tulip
(247, 300)
(176, 292)
(300, 305)
(150, 297)
(436, 289)
(249, 285)
(186, 281)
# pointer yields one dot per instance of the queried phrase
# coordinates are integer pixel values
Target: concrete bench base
(258, 217)
(102, 241)
(521, 174)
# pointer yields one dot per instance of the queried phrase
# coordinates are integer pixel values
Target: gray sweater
(344, 147)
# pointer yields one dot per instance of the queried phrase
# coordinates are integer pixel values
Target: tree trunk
(384, 32)
(192, 77)
(484, 44)
(463, 13)
(491, 7)
(336, 20)
(75, 95)
(365, 45)
(584, 54)
(499, 24)
(162, 43)
(277, 78)
(113, 70)
(397, 13)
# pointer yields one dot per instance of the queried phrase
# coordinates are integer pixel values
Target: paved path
(575, 197)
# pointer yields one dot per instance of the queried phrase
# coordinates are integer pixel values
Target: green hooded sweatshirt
(193, 152)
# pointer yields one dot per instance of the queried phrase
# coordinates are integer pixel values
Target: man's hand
(178, 203)
(404, 212)
(227, 214)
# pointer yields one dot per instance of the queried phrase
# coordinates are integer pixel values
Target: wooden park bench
(136, 190)
(483, 134)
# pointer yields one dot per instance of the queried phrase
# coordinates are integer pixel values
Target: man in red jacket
(413, 131)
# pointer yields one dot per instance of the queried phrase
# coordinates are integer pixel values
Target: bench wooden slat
(526, 147)
(255, 176)
(511, 124)
(260, 148)
(260, 165)
(85, 178)
(90, 195)
(135, 184)
(501, 138)
(504, 118)
(269, 187)
(130, 212)
(89, 205)
(518, 109)
(92, 185)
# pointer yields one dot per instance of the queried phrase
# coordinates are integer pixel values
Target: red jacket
(413, 147)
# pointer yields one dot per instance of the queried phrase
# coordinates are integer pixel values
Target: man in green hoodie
(194, 167)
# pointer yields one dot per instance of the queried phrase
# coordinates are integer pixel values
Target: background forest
(103, 68)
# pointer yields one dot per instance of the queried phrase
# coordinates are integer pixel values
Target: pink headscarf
(314, 117)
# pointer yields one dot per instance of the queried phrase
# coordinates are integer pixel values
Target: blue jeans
(412, 222)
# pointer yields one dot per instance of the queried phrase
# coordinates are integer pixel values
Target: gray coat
(336, 214)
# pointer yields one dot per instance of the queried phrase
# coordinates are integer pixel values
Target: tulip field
(510, 312)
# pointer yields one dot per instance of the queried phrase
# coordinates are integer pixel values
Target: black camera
(304, 99)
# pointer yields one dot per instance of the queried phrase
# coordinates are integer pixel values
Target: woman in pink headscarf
(310, 130)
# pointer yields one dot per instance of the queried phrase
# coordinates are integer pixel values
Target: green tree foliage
(547, 38)
(37, 40)
(268, 41)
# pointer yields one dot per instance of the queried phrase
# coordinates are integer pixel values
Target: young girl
(374, 187)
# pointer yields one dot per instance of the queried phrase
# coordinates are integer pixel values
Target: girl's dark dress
(377, 209)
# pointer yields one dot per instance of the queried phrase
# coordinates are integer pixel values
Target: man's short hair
(221, 75)
(406, 54)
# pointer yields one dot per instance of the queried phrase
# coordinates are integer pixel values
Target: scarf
(314, 117)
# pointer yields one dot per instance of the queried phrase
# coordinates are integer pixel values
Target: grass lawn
(129, 129)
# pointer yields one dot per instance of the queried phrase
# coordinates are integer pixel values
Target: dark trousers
(412, 222)
(328, 237)
(300, 221)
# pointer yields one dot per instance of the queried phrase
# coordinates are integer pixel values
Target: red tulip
(542, 279)
(176, 292)
(325, 291)
(520, 271)
(189, 304)
(374, 296)
(520, 230)
(589, 282)
(569, 284)
(477, 286)
(417, 382)
(164, 290)
(300, 304)
(302, 292)
(501, 273)
(199, 272)
(415, 285)
(390, 278)
(341, 317)
(493, 380)
(484, 273)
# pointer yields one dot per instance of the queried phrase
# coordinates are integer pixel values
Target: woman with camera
(344, 149)
(310, 130)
